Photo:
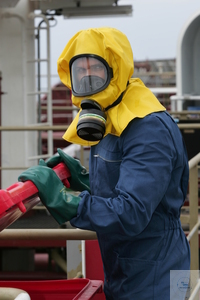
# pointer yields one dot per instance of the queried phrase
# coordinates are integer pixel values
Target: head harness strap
(119, 99)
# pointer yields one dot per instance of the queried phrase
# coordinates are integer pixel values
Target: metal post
(0, 125)
(1, 93)
(194, 242)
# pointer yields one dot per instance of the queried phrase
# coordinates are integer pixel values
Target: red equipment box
(69, 289)
(14, 202)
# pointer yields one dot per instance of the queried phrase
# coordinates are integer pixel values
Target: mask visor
(89, 76)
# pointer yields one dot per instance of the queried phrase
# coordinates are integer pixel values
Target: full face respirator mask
(90, 74)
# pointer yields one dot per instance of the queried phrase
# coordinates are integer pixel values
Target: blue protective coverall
(138, 175)
(138, 184)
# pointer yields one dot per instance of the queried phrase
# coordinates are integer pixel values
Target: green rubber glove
(79, 180)
(54, 195)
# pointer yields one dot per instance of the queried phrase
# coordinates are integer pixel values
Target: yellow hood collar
(114, 47)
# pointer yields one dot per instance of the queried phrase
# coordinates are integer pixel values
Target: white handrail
(194, 161)
(195, 291)
(194, 229)
(193, 167)
(47, 234)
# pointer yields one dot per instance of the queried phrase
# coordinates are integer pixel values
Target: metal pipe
(34, 128)
(189, 126)
(39, 60)
(184, 112)
(0, 125)
(39, 88)
(47, 234)
(193, 162)
(196, 289)
(185, 97)
(60, 261)
(9, 293)
(64, 127)
(56, 107)
(24, 55)
(193, 203)
(83, 258)
(43, 156)
(194, 229)
(49, 95)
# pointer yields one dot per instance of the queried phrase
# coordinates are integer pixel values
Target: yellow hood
(114, 47)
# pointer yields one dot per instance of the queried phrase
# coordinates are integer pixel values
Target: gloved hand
(54, 195)
(79, 180)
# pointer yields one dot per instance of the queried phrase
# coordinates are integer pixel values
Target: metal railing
(47, 234)
(192, 219)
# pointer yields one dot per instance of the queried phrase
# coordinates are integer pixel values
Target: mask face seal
(92, 121)
(90, 74)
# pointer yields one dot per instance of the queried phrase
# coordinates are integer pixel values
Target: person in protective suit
(138, 169)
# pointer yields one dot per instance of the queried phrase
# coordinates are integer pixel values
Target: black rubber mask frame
(82, 92)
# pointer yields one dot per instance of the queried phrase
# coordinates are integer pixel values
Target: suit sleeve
(148, 160)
